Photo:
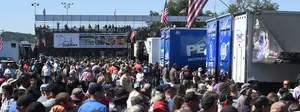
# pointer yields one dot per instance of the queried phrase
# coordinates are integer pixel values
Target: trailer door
(239, 48)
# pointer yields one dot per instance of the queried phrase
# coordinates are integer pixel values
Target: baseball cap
(25, 100)
(43, 87)
(77, 93)
(160, 105)
(93, 88)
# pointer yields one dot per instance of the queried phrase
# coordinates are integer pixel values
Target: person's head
(141, 100)
(261, 104)
(36, 107)
(160, 106)
(192, 100)
(277, 107)
(33, 80)
(17, 93)
(210, 102)
(24, 80)
(233, 88)
(170, 93)
(175, 66)
(225, 99)
(246, 89)
(95, 91)
(294, 107)
(7, 91)
(229, 109)
(77, 95)
(273, 97)
(63, 99)
(286, 84)
(52, 90)
(23, 102)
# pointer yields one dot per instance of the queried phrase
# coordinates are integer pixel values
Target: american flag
(44, 12)
(115, 12)
(183, 11)
(164, 15)
(133, 33)
(195, 8)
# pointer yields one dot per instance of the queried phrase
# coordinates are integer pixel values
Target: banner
(224, 45)
(211, 46)
(90, 40)
(265, 47)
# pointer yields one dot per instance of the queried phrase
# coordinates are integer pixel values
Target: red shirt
(105, 101)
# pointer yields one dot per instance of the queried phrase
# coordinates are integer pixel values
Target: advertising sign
(265, 49)
(90, 40)
(187, 47)
(211, 46)
(224, 45)
(239, 48)
(66, 40)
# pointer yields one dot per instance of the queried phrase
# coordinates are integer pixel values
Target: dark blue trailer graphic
(224, 44)
(185, 47)
(211, 46)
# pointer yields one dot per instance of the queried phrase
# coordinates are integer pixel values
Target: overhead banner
(265, 49)
(211, 46)
(90, 40)
(224, 46)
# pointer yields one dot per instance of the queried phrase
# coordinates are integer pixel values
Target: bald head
(277, 107)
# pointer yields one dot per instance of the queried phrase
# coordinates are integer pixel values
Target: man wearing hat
(93, 103)
(243, 102)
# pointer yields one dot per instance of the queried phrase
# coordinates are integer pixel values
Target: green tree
(252, 5)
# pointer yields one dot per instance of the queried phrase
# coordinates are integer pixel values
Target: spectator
(277, 107)
(7, 100)
(161, 106)
(286, 85)
(93, 103)
(170, 96)
(209, 102)
(229, 109)
(133, 93)
(173, 74)
(62, 103)
(261, 104)
(43, 96)
(51, 91)
(243, 102)
(46, 72)
(225, 99)
(273, 97)
(165, 74)
(192, 102)
(119, 101)
(140, 78)
(125, 81)
(23, 102)
(16, 94)
(294, 107)
(36, 107)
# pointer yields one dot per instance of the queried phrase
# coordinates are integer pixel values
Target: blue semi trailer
(183, 46)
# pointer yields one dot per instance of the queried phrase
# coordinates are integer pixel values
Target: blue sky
(18, 15)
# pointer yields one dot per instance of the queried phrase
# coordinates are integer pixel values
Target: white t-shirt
(139, 76)
(46, 70)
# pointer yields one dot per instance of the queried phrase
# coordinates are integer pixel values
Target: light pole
(35, 4)
(67, 6)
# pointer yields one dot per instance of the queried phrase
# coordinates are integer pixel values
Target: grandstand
(93, 35)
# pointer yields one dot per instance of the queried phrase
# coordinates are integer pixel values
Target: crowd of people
(118, 85)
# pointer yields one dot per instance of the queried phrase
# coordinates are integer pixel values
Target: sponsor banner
(90, 40)
(265, 47)
(162, 45)
(211, 48)
(224, 45)
(66, 40)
